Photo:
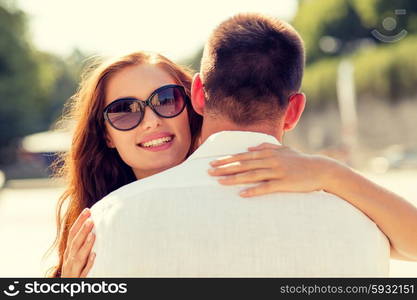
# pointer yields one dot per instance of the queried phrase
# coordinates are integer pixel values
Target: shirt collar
(231, 142)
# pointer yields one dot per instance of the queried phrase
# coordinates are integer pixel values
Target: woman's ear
(109, 141)
(197, 94)
(295, 108)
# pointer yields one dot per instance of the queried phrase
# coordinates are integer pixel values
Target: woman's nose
(150, 119)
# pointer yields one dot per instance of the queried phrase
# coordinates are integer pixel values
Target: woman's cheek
(125, 146)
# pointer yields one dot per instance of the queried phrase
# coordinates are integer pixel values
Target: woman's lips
(157, 144)
(155, 136)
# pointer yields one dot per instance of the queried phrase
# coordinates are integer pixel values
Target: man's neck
(214, 125)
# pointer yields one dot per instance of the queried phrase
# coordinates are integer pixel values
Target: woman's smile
(157, 142)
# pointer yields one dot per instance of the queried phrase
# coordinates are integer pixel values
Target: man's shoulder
(331, 205)
(319, 203)
(167, 179)
(181, 176)
(326, 199)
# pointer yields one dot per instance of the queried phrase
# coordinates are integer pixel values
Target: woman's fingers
(79, 249)
(89, 265)
(277, 169)
(85, 249)
(262, 189)
(84, 253)
(252, 176)
(75, 228)
(269, 187)
(77, 224)
(235, 157)
(240, 166)
(81, 236)
(251, 155)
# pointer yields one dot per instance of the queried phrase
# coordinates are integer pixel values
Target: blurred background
(360, 81)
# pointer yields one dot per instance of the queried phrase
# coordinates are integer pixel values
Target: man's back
(183, 223)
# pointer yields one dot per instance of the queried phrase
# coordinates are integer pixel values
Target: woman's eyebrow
(133, 97)
(126, 97)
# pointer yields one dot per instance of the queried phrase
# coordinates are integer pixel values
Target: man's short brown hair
(251, 64)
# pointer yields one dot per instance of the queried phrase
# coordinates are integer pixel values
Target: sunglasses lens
(169, 102)
(124, 115)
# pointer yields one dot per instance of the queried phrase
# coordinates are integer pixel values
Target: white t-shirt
(183, 223)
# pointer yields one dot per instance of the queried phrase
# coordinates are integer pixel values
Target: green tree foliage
(320, 18)
(33, 85)
(62, 76)
(387, 72)
(20, 87)
(373, 12)
(384, 70)
(349, 21)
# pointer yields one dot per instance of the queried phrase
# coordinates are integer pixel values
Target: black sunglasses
(168, 101)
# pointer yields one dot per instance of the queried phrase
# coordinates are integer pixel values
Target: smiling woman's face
(157, 143)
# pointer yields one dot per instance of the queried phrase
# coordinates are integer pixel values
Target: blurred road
(27, 224)
(27, 229)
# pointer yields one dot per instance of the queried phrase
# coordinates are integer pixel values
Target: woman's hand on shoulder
(78, 257)
(275, 168)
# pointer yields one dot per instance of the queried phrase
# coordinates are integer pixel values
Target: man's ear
(295, 108)
(197, 94)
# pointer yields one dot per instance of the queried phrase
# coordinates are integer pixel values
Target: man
(183, 223)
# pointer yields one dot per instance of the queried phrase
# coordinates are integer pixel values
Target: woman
(115, 143)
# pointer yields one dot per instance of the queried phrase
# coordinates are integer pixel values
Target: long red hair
(91, 169)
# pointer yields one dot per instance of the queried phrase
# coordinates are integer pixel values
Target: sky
(176, 29)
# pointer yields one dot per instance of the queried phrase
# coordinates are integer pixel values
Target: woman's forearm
(395, 216)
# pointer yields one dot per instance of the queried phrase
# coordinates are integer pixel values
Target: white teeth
(157, 142)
